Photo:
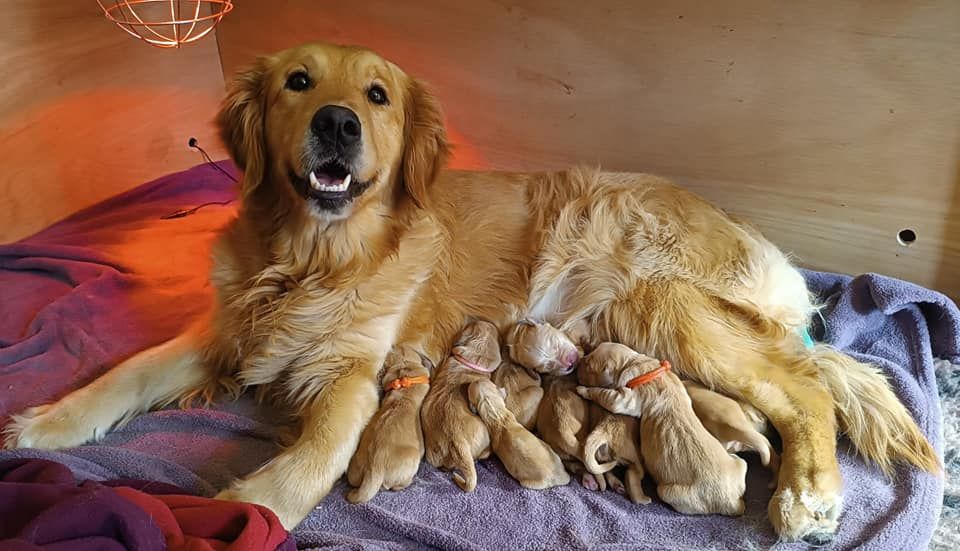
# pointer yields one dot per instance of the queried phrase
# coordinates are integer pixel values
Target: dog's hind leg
(153, 377)
(751, 358)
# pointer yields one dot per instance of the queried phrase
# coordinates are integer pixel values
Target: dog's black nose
(336, 126)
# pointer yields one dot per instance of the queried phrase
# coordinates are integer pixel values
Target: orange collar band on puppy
(471, 365)
(406, 382)
(650, 375)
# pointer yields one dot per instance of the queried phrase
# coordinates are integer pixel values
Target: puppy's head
(479, 342)
(542, 348)
(333, 128)
(405, 361)
(612, 365)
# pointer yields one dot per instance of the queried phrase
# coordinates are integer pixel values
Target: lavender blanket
(115, 278)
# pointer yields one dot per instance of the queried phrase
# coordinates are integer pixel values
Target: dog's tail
(464, 469)
(870, 414)
(368, 488)
(597, 439)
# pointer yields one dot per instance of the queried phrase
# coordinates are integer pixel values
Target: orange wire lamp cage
(166, 23)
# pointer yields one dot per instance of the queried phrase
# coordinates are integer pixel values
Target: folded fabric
(42, 507)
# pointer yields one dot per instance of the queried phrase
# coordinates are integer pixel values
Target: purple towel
(89, 291)
(42, 508)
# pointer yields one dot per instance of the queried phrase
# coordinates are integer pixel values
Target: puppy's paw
(49, 427)
(592, 482)
(615, 483)
(806, 512)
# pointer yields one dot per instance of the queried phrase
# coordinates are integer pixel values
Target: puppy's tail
(368, 488)
(871, 415)
(594, 442)
(464, 470)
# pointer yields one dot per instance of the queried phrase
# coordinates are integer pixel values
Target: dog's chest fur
(278, 322)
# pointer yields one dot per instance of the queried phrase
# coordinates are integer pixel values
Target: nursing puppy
(727, 421)
(523, 391)
(615, 440)
(523, 385)
(527, 458)
(455, 438)
(563, 418)
(391, 446)
(694, 474)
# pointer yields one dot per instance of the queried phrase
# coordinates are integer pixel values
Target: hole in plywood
(906, 237)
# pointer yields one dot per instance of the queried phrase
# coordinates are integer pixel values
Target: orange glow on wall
(166, 23)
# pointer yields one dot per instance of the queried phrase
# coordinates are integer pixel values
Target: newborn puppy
(614, 439)
(522, 385)
(694, 474)
(391, 445)
(455, 438)
(527, 458)
(523, 391)
(728, 422)
(563, 418)
(543, 348)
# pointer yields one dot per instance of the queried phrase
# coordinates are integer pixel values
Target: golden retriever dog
(455, 438)
(351, 238)
(728, 422)
(694, 473)
(391, 445)
(528, 459)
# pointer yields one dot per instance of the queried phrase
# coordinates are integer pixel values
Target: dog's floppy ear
(241, 121)
(425, 141)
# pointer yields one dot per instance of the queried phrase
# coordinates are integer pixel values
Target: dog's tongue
(327, 180)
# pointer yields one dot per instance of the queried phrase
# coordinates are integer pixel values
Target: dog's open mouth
(330, 185)
(330, 178)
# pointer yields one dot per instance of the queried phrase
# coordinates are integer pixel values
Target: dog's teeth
(313, 181)
(346, 181)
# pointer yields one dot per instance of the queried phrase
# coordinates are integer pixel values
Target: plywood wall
(87, 111)
(831, 124)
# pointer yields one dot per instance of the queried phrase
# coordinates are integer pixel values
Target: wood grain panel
(831, 124)
(86, 111)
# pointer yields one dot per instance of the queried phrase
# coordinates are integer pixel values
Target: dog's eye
(377, 95)
(298, 81)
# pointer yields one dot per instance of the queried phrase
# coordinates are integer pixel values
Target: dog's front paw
(807, 510)
(48, 427)
(291, 502)
(242, 492)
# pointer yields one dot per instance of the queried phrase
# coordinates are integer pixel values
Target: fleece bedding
(115, 278)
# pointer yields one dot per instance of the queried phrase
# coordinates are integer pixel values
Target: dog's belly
(566, 245)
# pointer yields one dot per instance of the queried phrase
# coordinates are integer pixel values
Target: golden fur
(615, 440)
(728, 422)
(455, 438)
(563, 418)
(391, 445)
(527, 458)
(523, 391)
(694, 473)
(309, 302)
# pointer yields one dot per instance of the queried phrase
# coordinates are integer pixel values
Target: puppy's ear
(425, 142)
(241, 121)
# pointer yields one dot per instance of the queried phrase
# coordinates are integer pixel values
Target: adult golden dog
(351, 239)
